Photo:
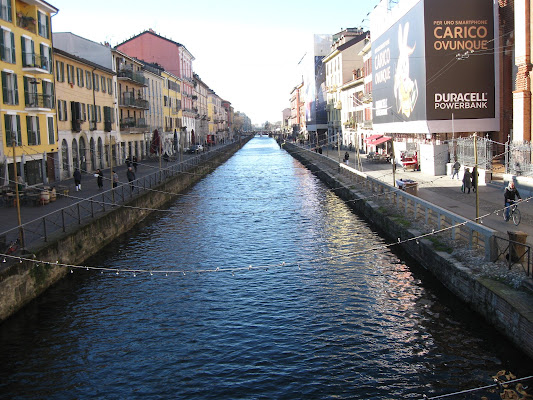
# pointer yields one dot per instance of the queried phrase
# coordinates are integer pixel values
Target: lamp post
(17, 197)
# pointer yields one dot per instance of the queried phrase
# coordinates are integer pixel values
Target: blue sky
(246, 51)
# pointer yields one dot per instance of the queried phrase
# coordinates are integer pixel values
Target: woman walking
(467, 180)
(99, 178)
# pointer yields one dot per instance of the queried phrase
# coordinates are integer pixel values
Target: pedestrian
(475, 175)
(467, 180)
(509, 195)
(131, 177)
(346, 157)
(134, 162)
(77, 179)
(456, 168)
(99, 178)
(128, 161)
(166, 158)
(115, 178)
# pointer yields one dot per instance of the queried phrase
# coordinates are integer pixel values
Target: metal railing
(454, 227)
(58, 222)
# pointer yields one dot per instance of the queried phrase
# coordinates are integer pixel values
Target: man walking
(456, 168)
(131, 177)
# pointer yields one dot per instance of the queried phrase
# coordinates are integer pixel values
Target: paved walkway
(8, 214)
(446, 193)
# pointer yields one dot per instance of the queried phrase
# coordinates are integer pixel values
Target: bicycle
(514, 214)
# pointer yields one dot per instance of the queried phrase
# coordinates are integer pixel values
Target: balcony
(37, 101)
(128, 74)
(26, 22)
(132, 125)
(174, 110)
(35, 63)
(129, 100)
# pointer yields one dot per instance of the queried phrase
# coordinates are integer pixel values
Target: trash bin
(411, 188)
(517, 247)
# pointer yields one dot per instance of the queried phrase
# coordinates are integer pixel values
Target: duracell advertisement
(460, 59)
(435, 62)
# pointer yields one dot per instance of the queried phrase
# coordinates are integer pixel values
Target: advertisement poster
(434, 61)
(459, 59)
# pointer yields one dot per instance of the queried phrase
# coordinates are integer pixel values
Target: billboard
(434, 64)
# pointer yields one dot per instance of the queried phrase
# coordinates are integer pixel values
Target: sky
(246, 51)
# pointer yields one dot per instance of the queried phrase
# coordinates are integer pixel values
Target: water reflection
(350, 323)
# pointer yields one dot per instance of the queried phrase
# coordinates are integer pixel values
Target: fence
(459, 229)
(58, 222)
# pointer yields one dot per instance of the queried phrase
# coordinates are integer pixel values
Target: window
(103, 84)
(28, 52)
(83, 112)
(51, 131)
(109, 86)
(79, 74)
(10, 88)
(60, 71)
(5, 10)
(7, 46)
(62, 110)
(12, 129)
(34, 134)
(46, 57)
(98, 114)
(88, 80)
(48, 94)
(44, 25)
(70, 74)
(96, 82)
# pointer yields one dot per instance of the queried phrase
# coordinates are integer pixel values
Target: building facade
(27, 115)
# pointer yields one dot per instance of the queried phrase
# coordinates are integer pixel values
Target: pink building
(173, 57)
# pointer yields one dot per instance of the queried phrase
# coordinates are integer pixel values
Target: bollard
(517, 247)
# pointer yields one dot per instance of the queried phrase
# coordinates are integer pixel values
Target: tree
(268, 126)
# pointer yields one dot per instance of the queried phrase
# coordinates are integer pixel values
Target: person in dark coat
(134, 162)
(131, 177)
(475, 175)
(346, 157)
(99, 178)
(467, 180)
(510, 194)
(456, 168)
(77, 179)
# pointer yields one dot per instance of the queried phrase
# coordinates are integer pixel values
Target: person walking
(115, 178)
(467, 180)
(77, 179)
(456, 168)
(134, 162)
(99, 178)
(131, 177)
(346, 157)
(509, 195)
(475, 175)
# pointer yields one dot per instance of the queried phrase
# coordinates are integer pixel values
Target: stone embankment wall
(22, 282)
(509, 310)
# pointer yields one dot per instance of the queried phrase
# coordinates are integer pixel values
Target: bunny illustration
(405, 89)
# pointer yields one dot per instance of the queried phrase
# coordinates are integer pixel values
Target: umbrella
(156, 142)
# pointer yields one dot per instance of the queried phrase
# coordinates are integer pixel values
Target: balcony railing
(133, 125)
(33, 60)
(127, 100)
(134, 76)
(37, 100)
(28, 23)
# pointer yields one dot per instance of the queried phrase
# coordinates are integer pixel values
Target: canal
(260, 284)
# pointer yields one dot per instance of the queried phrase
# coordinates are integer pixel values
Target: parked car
(195, 148)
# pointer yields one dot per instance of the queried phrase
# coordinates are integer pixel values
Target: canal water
(263, 285)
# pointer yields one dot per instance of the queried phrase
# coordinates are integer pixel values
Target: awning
(380, 140)
(370, 138)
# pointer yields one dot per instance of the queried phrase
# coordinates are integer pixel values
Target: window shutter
(5, 92)
(30, 133)
(38, 133)
(9, 13)
(47, 33)
(2, 45)
(13, 52)
(23, 47)
(7, 124)
(17, 131)
(39, 24)
(16, 89)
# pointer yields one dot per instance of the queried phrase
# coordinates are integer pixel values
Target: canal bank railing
(40, 230)
(440, 221)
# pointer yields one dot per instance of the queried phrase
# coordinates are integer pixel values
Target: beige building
(85, 113)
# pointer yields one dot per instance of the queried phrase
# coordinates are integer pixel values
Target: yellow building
(27, 113)
(85, 112)
(172, 113)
